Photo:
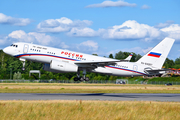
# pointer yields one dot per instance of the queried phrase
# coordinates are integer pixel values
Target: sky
(92, 26)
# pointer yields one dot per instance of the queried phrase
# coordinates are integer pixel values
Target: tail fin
(156, 57)
(129, 57)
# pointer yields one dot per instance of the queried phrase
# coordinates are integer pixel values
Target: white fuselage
(43, 54)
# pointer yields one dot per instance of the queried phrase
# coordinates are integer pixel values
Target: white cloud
(37, 38)
(173, 31)
(87, 46)
(137, 50)
(82, 32)
(4, 19)
(63, 45)
(166, 24)
(18, 34)
(109, 3)
(61, 25)
(2, 41)
(145, 7)
(41, 38)
(130, 30)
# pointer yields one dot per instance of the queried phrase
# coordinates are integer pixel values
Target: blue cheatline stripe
(126, 70)
(22, 55)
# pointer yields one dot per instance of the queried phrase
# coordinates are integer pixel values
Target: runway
(91, 96)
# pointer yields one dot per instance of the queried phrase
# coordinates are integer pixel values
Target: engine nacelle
(63, 66)
(46, 67)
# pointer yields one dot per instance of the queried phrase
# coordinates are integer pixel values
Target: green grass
(89, 110)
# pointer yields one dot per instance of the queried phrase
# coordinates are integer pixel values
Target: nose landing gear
(23, 68)
(23, 60)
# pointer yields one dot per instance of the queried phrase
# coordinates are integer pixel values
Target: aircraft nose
(7, 50)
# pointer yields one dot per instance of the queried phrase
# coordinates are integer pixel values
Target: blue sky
(91, 26)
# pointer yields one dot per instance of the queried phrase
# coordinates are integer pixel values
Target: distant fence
(58, 81)
(91, 81)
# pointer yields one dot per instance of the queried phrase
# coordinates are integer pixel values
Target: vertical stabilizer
(129, 57)
(156, 57)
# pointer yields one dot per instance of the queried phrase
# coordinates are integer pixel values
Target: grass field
(88, 110)
(85, 88)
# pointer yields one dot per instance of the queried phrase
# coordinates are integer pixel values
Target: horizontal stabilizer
(156, 71)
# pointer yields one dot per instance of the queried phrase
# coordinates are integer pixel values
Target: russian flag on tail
(154, 54)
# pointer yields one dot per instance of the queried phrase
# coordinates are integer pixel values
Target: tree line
(11, 68)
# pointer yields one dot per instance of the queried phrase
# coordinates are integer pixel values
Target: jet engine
(46, 67)
(63, 66)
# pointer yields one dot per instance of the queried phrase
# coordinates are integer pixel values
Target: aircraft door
(25, 48)
(135, 67)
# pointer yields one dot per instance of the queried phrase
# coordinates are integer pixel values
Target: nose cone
(5, 50)
(8, 51)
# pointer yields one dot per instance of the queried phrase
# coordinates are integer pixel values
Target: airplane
(61, 61)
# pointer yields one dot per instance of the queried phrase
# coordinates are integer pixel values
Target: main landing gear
(84, 78)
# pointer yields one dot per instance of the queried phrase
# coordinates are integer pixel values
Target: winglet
(129, 57)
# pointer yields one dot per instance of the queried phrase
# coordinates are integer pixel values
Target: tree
(95, 54)
(17, 76)
(177, 61)
(111, 56)
(135, 57)
(120, 55)
(169, 63)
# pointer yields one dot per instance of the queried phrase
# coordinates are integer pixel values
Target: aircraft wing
(101, 63)
(98, 63)
(94, 64)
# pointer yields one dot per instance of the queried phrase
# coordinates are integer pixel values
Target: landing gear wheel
(76, 79)
(86, 79)
(23, 69)
(81, 79)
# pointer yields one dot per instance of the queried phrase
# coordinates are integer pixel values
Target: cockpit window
(13, 45)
